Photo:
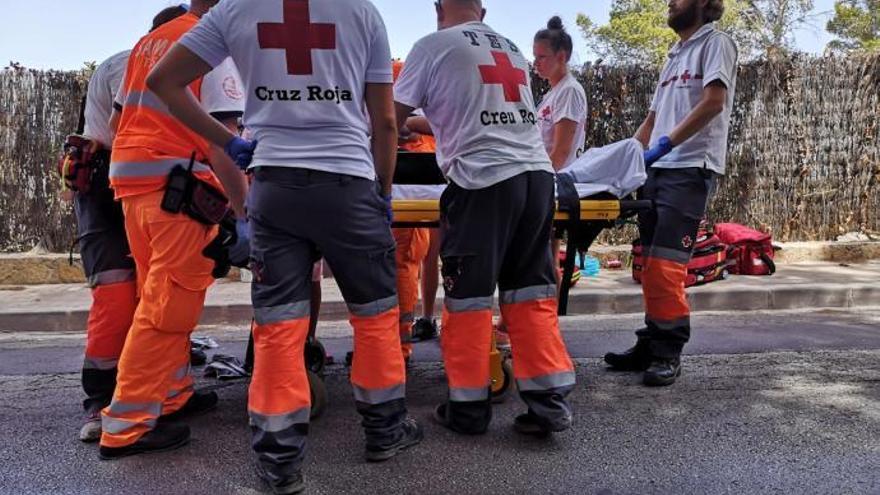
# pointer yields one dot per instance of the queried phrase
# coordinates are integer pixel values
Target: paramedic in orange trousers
(686, 133)
(313, 67)
(154, 384)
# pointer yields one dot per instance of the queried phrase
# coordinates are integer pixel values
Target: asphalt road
(769, 403)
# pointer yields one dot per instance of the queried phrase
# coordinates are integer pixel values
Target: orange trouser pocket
(663, 288)
(378, 373)
(466, 341)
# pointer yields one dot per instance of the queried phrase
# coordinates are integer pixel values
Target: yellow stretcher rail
(427, 212)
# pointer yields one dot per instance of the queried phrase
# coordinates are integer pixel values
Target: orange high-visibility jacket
(150, 141)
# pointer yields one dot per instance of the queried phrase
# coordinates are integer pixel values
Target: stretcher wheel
(503, 382)
(315, 355)
(318, 393)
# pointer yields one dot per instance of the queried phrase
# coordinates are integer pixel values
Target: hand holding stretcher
(584, 209)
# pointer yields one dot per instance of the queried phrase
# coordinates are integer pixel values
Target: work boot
(412, 435)
(531, 424)
(287, 485)
(424, 329)
(164, 437)
(637, 358)
(91, 429)
(199, 403)
(197, 357)
(441, 417)
(662, 372)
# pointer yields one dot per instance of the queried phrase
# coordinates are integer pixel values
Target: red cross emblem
(686, 77)
(297, 36)
(505, 74)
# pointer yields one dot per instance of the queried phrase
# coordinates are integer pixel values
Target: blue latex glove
(240, 252)
(389, 209)
(241, 151)
(661, 149)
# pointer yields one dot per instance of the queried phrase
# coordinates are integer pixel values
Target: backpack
(751, 250)
(708, 263)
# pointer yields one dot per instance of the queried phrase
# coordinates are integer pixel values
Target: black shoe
(412, 435)
(531, 424)
(637, 358)
(441, 418)
(199, 403)
(424, 329)
(197, 357)
(662, 372)
(162, 438)
(282, 486)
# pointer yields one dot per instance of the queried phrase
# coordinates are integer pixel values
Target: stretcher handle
(636, 205)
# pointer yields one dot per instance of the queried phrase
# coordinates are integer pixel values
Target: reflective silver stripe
(469, 394)
(285, 312)
(668, 254)
(546, 382)
(378, 396)
(158, 168)
(103, 364)
(671, 325)
(374, 308)
(407, 317)
(151, 408)
(279, 422)
(115, 426)
(533, 293)
(174, 393)
(146, 99)
(111, 277)
(470, 304)
(182, 372)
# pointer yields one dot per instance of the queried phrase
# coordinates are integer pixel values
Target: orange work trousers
(154, 371)
(412, 248)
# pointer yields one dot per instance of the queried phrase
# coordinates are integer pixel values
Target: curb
(587, 302)
(29, 269)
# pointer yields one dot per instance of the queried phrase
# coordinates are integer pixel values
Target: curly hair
(713, 11)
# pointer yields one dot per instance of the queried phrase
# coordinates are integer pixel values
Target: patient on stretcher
(617, 169)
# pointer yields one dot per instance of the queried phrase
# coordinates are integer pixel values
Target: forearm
(420, 125)
(385, 153)
(699, 117)
(558, 159)
(233, 180)
(187, 109)
(643, 134)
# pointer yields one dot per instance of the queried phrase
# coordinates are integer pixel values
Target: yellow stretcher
(426, 212)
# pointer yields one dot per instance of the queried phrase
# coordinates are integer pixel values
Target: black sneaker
(283, 486)
(662, 372)
(412, 435)
(637, 358)
(197, 357)
(531, 424)
(424, 329)
(199, 403)
(162, 438)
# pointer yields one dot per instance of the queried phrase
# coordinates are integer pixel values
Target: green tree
(637, 31)
(857, 25)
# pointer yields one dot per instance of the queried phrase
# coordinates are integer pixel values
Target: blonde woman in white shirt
(562, 114)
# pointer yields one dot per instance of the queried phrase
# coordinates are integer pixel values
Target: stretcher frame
(595, 216)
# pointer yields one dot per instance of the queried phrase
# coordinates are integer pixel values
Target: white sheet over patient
(618, 168)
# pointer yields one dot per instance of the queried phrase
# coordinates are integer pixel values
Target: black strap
(569, 202)
(81, 125)
(769, 261)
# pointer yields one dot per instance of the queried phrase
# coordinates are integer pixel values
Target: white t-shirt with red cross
(305, 66)
(566, 101)
(473, 85)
